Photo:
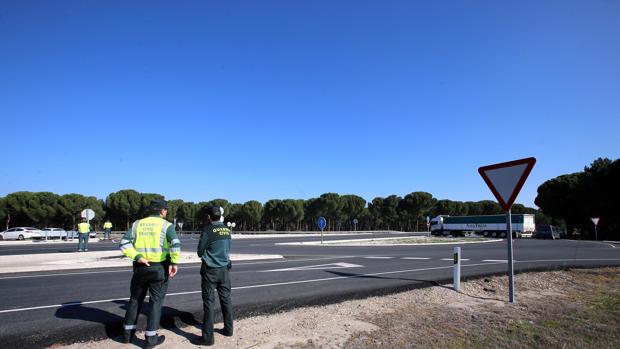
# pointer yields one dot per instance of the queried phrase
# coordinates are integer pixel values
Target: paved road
(14, 248)
(38, 309)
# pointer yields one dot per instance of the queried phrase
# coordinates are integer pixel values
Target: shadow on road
(172, 319)
(364, 276)
(111, 322)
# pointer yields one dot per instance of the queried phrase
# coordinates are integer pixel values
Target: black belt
(151, 263)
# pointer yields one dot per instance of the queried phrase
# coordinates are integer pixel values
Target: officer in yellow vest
(107, 228)
(153, 245)
(83, 230)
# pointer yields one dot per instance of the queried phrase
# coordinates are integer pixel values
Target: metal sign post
(505, 181)
(511, 281)
(456, 273)
(595, 221)
(321, 223)
(355, 221)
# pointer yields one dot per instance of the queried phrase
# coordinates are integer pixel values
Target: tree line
(573, 199)
(408, 213)
(568, 201)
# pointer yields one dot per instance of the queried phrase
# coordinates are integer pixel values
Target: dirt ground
(577, 308)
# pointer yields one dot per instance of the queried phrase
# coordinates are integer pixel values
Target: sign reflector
(506, 179)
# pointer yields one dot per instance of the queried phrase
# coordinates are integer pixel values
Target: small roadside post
(355, 221)
(321, 223)
(505, 181)
(456, 273)
(595, 221)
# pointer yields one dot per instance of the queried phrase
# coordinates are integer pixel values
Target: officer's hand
(172, 271)
(144, 261)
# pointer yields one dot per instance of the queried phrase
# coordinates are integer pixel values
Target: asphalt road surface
(40, 309)
(189, 242)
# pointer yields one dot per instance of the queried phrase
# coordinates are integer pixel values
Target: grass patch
(582, 312)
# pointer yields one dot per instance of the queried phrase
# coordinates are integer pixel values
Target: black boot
(128, 336)
(153, 341)
(206, 341)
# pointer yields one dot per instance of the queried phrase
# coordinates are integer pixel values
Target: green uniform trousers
(153, 279)
(215, 279)
(82, 241)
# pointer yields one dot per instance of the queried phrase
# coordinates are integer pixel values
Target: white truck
(489, 225)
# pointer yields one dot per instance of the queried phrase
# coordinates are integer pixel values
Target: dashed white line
(417, 258)
(451, 259)
(378, 257)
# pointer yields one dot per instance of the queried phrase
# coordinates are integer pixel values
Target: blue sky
(291, 99)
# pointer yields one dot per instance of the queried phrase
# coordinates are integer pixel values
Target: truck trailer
(487, 226)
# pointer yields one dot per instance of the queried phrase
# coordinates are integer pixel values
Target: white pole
(457, 269)
(511, 281)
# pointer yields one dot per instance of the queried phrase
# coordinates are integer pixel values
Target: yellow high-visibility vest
(107, 225)
(84, 228)
(150, 238)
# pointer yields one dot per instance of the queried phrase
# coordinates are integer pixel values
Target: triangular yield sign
(506, 179)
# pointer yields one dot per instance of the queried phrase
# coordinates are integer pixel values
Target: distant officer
(83, 230)
(107, 228)
(214, 248)
(153, 245)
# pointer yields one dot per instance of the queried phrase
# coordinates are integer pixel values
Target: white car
(56, 233)
(21, 233)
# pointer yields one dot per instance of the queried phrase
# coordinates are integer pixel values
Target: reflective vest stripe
(134, 229)
(152, 250)
(162, 237)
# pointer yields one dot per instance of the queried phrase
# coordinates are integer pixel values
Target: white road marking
(378, 257)
(306, 281)
(63, 274)
(495, 260)
(182, 266)
(417, 258)
(317, 267)
(452, 259)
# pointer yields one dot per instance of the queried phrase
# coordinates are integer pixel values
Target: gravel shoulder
(556, 309)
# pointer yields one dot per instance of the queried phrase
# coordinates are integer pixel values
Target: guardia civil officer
(83, 232)
(213, 249)
(107, 228)
(153, 245)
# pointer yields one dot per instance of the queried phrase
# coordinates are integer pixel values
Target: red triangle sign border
(506, 205)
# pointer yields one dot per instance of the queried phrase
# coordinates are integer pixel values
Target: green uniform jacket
(214, 245)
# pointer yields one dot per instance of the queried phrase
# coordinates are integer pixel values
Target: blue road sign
(322, 223)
